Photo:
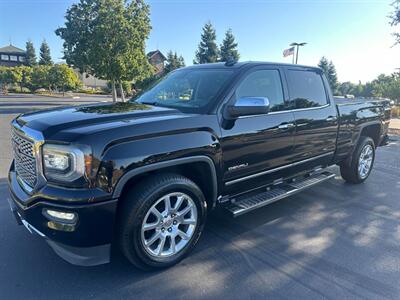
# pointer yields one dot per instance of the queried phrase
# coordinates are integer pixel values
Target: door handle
(330, 119)
(286, 126)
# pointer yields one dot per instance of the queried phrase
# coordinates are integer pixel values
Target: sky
(355, 35)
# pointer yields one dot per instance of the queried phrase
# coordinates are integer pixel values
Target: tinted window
(263, 83)
(306, 89)
(187, 89)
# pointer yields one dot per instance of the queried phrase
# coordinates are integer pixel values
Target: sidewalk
(394, 126)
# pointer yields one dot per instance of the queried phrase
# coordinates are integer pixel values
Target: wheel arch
(200, 169)
(373, 131)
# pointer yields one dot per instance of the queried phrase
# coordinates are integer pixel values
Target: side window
(263, 83)
(306, 89)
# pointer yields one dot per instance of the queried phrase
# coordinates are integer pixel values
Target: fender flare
(349, 158)
(361, 128)
(165, 164)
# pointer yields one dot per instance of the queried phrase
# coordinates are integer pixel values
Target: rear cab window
(306, 89)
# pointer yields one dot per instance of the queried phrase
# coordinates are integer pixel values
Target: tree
(107, 38)
(395, 19)
(207, 51)
(14, 75)
(229, 47)
(332, 78)
(62, 76)
(45, 57)
(24, 76)
(387, 86)
(30, 59)
(40, 77)
(324, 65)
(174, 61)
(330, 72)
(347, 88)
(3, 83)
(8, 77)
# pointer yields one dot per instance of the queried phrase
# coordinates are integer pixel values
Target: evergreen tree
(324, 65)
(174, 62)
(229, 47)
(45, 57)
(207, 51)
(30, 54)
(181, 61)
(332, 78)
(330, 72)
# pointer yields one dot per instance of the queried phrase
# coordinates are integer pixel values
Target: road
(335, 241)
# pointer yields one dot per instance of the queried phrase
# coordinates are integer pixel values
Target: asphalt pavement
(333, 241)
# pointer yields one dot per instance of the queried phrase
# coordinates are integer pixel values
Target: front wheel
(161, 220)
(361, 162)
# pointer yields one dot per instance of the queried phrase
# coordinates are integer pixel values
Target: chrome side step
(246, 204)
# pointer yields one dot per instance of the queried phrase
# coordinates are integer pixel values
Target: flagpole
(297, 45)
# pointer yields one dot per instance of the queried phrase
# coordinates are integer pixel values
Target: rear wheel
(161, 221)
(362, 161)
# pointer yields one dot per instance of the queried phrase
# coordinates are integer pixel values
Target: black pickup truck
(144, 174)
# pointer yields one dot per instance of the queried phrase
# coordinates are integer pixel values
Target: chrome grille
(25, 161)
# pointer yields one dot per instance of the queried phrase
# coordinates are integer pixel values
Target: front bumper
(86, 243)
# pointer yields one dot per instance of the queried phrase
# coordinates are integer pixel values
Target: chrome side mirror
(248, 106)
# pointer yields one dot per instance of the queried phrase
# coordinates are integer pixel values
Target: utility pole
(297, 45)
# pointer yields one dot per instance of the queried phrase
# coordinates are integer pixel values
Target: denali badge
(238, 167)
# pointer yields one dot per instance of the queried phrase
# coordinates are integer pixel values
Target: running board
(275, 193)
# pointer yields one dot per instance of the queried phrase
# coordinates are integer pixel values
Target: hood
(54, 120)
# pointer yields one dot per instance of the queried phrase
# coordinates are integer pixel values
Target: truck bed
(357, 101)
(354, 115)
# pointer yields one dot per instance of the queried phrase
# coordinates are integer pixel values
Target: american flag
(287, 52)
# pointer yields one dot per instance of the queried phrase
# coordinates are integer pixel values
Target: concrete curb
(394, 131)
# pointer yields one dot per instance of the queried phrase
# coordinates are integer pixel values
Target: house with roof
(157, 60)
(11, 56)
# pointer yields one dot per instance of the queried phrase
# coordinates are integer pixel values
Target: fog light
(61, 216)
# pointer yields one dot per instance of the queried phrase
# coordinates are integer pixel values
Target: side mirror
(248, 106)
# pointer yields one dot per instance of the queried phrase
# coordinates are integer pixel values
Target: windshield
(189, 90)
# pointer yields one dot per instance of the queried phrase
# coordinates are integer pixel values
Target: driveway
(335, 241)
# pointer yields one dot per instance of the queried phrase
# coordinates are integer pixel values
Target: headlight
(63, 163)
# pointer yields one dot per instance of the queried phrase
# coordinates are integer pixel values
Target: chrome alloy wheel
(365, 161)
(169, 225)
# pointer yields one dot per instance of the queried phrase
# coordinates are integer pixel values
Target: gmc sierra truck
(144, 174)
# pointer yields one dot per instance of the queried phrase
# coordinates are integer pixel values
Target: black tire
(349, 170)
(134, 207)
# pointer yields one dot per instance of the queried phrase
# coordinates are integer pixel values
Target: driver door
(258, 143)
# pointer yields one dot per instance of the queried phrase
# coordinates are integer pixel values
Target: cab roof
(246, 64)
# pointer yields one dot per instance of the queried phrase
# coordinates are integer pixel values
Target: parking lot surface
(333, 241)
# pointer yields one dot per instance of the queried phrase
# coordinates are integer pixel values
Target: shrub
(18, 89)
(92, 91)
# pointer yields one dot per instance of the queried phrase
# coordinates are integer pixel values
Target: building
(11, 56)
(157, 60)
